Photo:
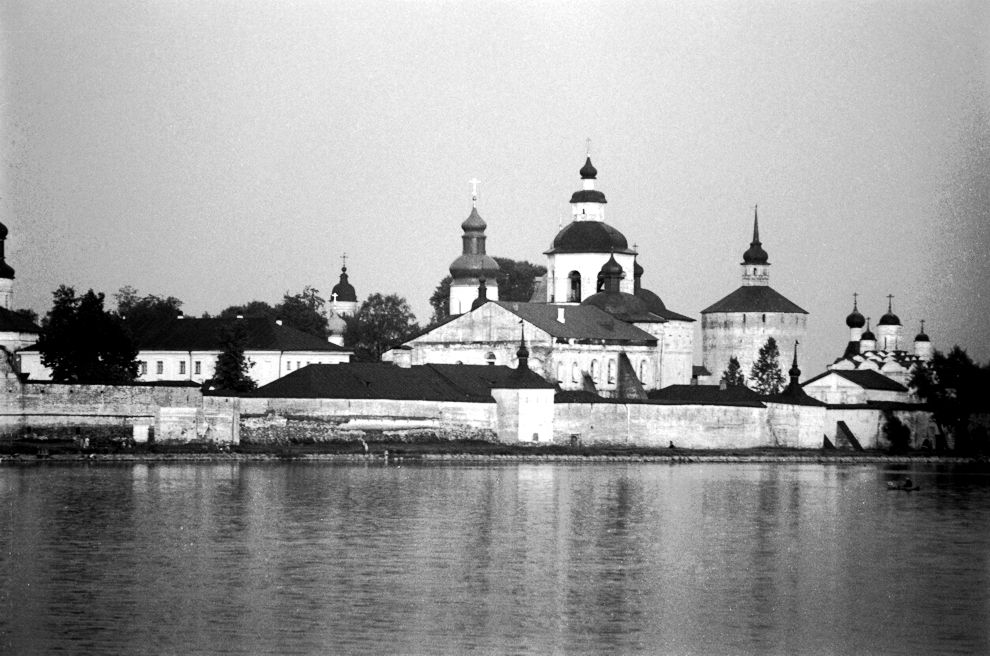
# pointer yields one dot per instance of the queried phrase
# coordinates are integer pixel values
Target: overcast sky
(221, 152)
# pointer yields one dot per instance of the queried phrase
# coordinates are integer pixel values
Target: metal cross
(588, 147)
(890, 300)
(343, 260)
(474, 182)
(855, 298)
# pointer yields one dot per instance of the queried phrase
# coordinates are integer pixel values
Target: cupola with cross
(474, 264)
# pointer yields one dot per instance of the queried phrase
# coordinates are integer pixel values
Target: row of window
(595, 372)
(160, 367)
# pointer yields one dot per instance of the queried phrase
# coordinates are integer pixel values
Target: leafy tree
(233, 367)
(379, 324)
(28, 314)
(304, 311)
(82, 343)
(249, 309)
(516, 280)
(142, 314)
(733, 375)
(955, 388)
(896, 433)
(766, 375)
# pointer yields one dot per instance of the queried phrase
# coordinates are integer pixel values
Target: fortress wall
(41, 406)
(867, 425)
(644, 424)
(315, 420)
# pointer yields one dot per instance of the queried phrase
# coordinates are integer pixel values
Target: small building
(840, 386)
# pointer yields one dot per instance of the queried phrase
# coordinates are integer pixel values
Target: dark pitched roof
(699, 370)
(203, 335)
(12, 322)
(580, 322)
(754, 298)
(379, 380)
(865, 378)
(707, 395)
(793, 396)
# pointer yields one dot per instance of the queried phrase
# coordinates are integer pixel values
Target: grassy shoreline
(452, 452)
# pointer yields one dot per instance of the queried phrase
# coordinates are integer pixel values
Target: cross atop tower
(343, 261)
(890, 302)
(587, 150)
(474, 182)
(922, 325)
(855, 298)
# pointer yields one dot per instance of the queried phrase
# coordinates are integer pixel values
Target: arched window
(594, 370)
(611, 371)
(642, 371)
(574, 292)
(575, 372)
(560, 372)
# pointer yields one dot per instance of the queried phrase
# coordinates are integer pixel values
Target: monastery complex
(594, 356)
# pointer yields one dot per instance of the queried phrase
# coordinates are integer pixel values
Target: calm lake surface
(546, 558)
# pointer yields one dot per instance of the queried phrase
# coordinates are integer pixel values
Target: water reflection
(530, 558)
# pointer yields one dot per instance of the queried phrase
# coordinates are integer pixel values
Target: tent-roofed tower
(474, 264)
(740, 323)
(584, 246)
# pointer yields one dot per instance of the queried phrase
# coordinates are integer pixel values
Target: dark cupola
(889, 319)
(755, 253)
(855, 319)
(343, 291)
(588, 193)
(473, 262)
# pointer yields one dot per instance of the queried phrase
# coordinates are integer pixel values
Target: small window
(560, 372)
(764, 318)
(574, 372)
(611, 371)
(574, 292)
(159, 367)
(594, 370)
(182, 368)
(642, 371)
(143, 367)
(288, 365)
(198, 367)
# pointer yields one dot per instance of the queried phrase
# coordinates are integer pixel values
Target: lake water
(318, 558)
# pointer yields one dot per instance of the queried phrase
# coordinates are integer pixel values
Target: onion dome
(889, 319)
(855, 318)
(588, 194)
(637, 269)
(794, 372)
(589, 237)
(611, 271)
(588, 171)
(474, 222)
(922, 337)
(868, 336)
(755, 253)
(344, 290)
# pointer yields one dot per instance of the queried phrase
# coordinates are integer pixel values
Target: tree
(28, 314)
(379, 324)
(896, 433)
(516, 280)
(143, 314)
(766, 375)
(733, 375)
(304, 311)
(954, 388)
(233, 367)
(82, 343)
(249, 309)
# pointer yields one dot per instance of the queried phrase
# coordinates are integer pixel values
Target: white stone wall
(795, 426)
(834, 389)
(867, 425)
(742, 334)
(524, 415)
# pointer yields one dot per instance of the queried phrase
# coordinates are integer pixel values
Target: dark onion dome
(868, 336)
(637, 269)
(474, 265)
(474, 221)
(6, 271)
(612, 269)
(855, 318)
(922, 337)
(588, 171)
(589, 237)
(343, 289)
(588, 196)
(755, 253)
(889, 319)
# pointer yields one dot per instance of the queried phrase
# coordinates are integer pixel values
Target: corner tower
(740, 324)
(474, 265)
(6, 274)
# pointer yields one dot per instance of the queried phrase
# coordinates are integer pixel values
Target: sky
(223, 152)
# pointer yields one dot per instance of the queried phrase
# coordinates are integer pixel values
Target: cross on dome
(474, 182)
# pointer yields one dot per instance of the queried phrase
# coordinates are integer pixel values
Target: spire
(523, 353)
(795, 372)
(755, 254)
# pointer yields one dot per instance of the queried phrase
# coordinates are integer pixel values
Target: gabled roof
(380, 380)
(203, 335)
(793, 395)
(865, 378)
(754, 298)
(580, 322)
(11, 322)
(707, 395)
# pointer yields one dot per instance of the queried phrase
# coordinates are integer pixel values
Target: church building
(590, 325)
(740, 324)
(16, 330)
